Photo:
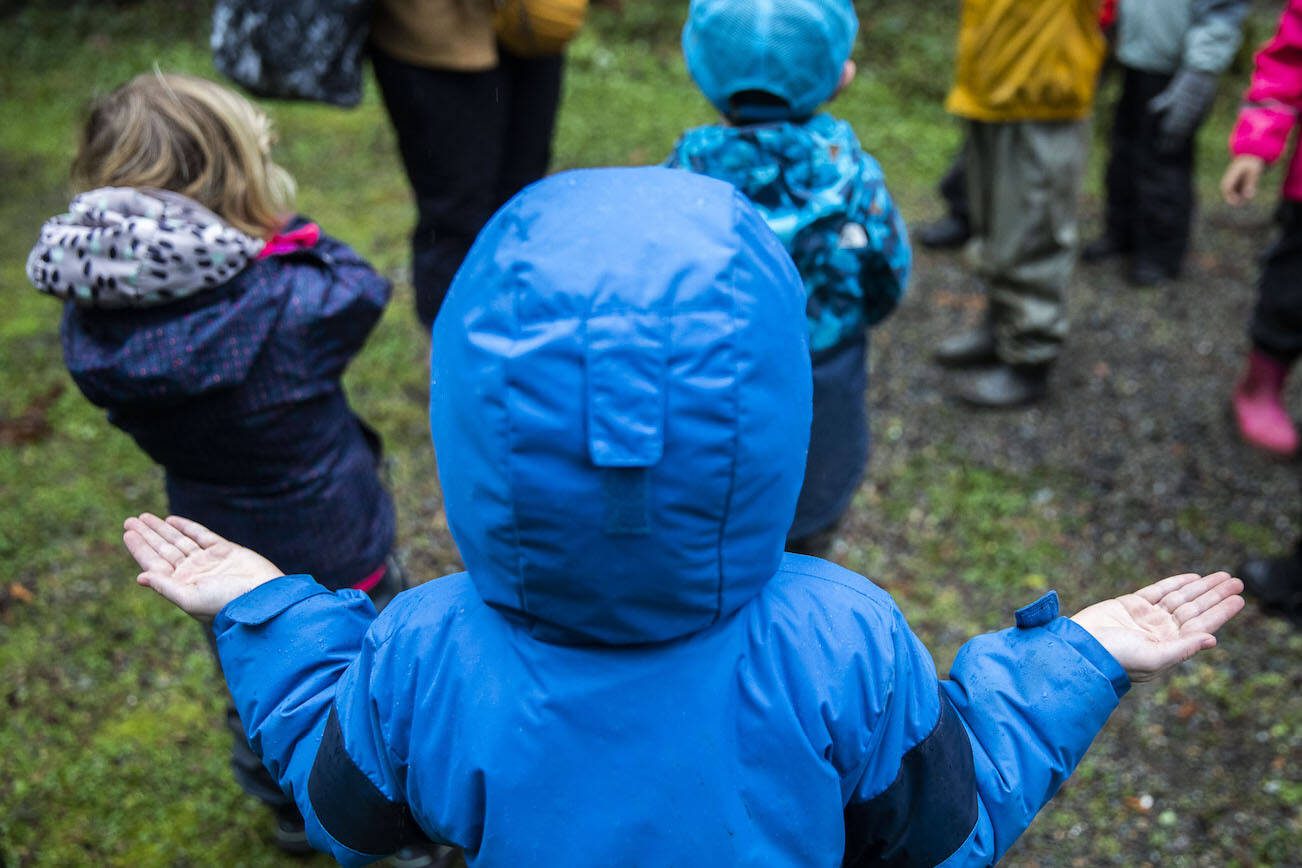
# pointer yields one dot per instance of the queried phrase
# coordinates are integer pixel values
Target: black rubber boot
(946, 233)
(1275, 583)
(968, 349)
(1103, 248)
(1146, 274)
(1006, 386)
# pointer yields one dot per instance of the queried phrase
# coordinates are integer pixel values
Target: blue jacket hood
(620, 405)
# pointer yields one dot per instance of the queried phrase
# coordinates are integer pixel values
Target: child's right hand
(1239, 184)
(191, 566)
(1166, 623)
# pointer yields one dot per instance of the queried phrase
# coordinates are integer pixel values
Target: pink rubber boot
(1259, 408)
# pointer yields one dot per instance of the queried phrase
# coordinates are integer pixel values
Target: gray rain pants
(1024, 180)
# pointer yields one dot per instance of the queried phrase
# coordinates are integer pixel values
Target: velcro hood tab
(626, 360)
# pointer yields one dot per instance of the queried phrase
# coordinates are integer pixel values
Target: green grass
(110, 741)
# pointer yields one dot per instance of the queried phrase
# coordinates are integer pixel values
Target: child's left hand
(1165, 623)
(1239, 184)
(191, 566)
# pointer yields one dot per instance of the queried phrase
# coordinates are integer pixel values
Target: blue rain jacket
(631, 671)
(236, 392)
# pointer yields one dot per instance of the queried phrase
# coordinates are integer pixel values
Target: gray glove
(1181, 107)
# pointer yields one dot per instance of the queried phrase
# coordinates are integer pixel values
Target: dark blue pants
(469, 142)
(953, 187)
(838, 442)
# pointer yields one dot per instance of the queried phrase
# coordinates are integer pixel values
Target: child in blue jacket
(766, 66)
(214, 327)
(631, 670)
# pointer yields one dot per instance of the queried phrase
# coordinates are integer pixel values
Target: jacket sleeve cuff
(1044, 613)
(1261, 132)
(1093, 651)
(266, 601)
(1266, 150)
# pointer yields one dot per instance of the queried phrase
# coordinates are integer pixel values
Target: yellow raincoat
(1027, 60)
(535, 28)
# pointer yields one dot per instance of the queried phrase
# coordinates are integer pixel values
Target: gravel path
(1131, 471)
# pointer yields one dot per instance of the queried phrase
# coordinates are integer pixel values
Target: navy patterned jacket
(236, 392)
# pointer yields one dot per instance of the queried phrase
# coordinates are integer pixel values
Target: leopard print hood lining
(120, 247)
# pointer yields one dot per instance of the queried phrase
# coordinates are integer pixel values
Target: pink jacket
(1274, 99)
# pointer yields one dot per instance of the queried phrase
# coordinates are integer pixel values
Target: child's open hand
(1239, 183)
(1166, 623)
(191, 566)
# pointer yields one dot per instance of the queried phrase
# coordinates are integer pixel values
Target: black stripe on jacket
(352, 808)
(928, 810)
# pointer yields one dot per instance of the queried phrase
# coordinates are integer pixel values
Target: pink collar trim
(302, 238)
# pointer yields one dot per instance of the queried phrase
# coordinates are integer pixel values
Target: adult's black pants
(469, 142)
(1150, 197)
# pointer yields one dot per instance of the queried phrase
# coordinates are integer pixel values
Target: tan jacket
(440, 34)
(1027, 60)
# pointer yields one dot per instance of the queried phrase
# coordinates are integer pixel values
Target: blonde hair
(193, 137)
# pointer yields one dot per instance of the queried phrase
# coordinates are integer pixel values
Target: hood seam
(736, 416)
(508, 411)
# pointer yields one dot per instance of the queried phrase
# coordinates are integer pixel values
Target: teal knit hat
(791, 49)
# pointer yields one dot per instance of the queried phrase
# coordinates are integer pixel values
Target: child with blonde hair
(214, 325)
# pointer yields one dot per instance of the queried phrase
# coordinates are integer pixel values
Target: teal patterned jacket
(826, 199)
